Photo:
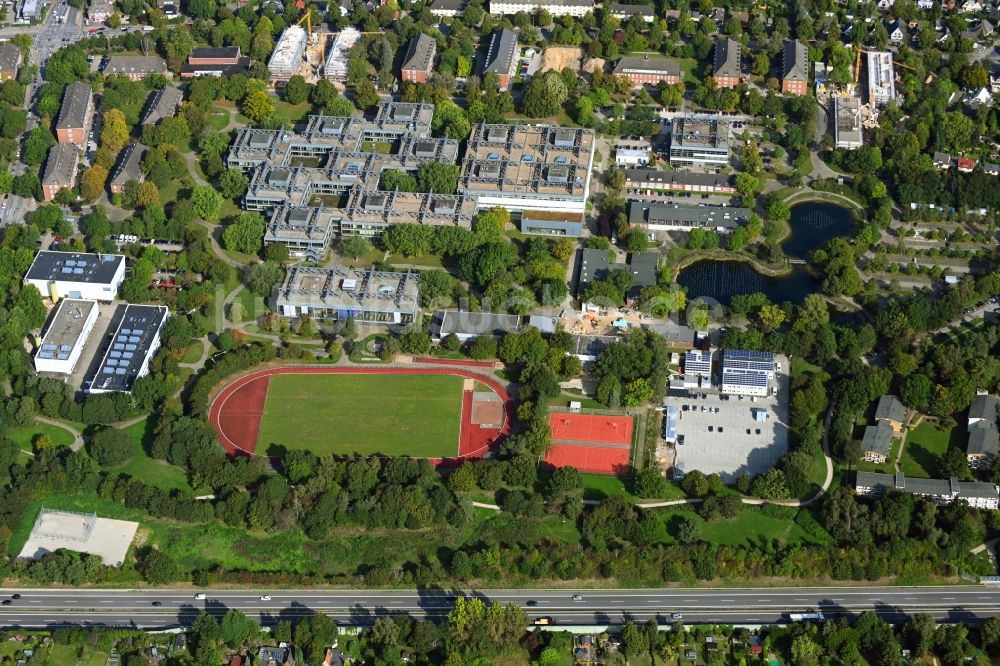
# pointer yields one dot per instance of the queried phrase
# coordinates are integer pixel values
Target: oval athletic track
(237, 410)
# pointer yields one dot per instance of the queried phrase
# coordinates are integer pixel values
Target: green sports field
(393, 415)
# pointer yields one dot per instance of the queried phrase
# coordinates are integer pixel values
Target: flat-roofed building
(10, 61)
(366, 294)
(553, 7)
(371, 212)
(700, 142)
(307, 231)
(92, 277)
(643, 182)
(470, 325)
(632, 152)
(747, 372)
(99, 11)
(847, 131)
(881, 77)
(624, 12)
(66, 335)
(75, 114)
(162, 104)
(726, 67)
(657, 218)
(977, 494)
(547, 223)
(794, 68)
(501, 56)
(528, 167)
(134, 67)
(418, 63)
(60, 169)
(128, 168)
(130, 349)
(336, 60)
(649, 69)
(287, 53)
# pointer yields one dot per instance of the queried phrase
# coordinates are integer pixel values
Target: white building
(632, 152)
(979, 495)
(747, 372)
(132, 347)
(336, 62)
(93, 277)
(881, 77)
(66, 336)
(847, 128)
(553, 7)
(697, 369)
(287, 54)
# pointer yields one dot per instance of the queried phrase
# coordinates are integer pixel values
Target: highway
(177, 608)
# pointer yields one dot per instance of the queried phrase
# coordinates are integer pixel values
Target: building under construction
(284, 62)
(881, 77)
(336, 62)
(847, 132)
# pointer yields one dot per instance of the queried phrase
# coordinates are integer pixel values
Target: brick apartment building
(419, 60)
(726, 65)
(224, 61)
(10, 61)
(75, 114)
(649, 70)
(501, 58)
(794, 68)
(60, 169)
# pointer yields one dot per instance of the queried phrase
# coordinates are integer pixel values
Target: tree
(233, 183)
(92, 182)
(355, 246)
(365, 95)
(463, 479)
(694, 484)
(805, 651)
(245, 234)
(238, 629)
(147, 194)
(158, 568)
(263, 277)
(491, 224)
(257, 106)
(110, 447)
(36, 145)
(451, 120)
(483, 347)
(207, 202)
(437, 177)
(544, 95)
(114, 130)
(296, 90)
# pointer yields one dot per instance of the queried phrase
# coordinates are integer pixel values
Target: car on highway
(157, 603)
(577, 597)
(200, 595)
(6, 602)
(265, 598)
(675, 616)
(544, 621)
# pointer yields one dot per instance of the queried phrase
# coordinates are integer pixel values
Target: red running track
(236, 411)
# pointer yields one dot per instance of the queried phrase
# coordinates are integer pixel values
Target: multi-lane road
(156, 609)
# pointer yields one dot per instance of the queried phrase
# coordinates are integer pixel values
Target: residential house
(942, 161)
(162, 104)
(60, 169)
(977, 494)
(554, 7)
(984, 436)
(978, 98)
(891, 411)
(971, 7)
(895, 30)
(99, 11)
(726, 70)
(134, 67)
(275, 656)
(965, 164)
(501, 57)
(10, 61)
(794, 68)
(649, 69)
(624, 12)
(128, 168)
(877, 442)
(446, 8)
(75, 114)
(419, 60)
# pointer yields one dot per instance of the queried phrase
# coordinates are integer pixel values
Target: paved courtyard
(721, 434)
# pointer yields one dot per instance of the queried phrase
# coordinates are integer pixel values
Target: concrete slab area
(721, 434)
(84, 533)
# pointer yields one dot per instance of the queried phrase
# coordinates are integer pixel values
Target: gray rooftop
(162, 104)
(76, 100)
(679, 178)
(420, 53)
(727, 58)
(945, 488)
(648, 64)
(134, 64)
(61, 165)
(727, 217)
(74, 267)
(66, 327)
(128, 167)
(889, 407)
(985, 407)
(794, 61)
(984, 440)
(878, 438)
(10, 57)
(461, 322)
(628, 10)
(502, 51)
(643, 267)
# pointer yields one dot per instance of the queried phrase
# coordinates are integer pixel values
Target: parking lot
(721, 434)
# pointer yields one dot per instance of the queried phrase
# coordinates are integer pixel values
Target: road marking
(617, 601)
(726, 600)
(690, 601)
(70, 601)
(34, 602)
(948, 598)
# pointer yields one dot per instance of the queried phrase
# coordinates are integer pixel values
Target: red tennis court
(592, 459)
(591, 428)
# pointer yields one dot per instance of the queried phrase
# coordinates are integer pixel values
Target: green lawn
(427, 260)
(751, 527)
(193, 353)
(416, 415)
(155, 472)
(25, 436)
(218, 119)
(925, 445)
(291, 113)
(888, 467)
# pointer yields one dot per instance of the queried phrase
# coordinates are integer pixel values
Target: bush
(111, 447)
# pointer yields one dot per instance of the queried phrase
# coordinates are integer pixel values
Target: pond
(813, 226)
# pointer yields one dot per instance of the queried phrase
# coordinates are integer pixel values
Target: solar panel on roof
(130, 348)
(77, 271)
(134, 339)
(70, 262)
(62, 356)
(118, 345)
(48, 345)
(127, 355)
(65, 347)
(111, 363)
(44, 354)
(121, 371)
(66, 269)
(115, 354)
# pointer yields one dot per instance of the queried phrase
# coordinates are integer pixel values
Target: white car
(200, 596)
(265, 598)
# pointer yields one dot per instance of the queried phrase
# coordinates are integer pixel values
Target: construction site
(312, 54)
(852, 114)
